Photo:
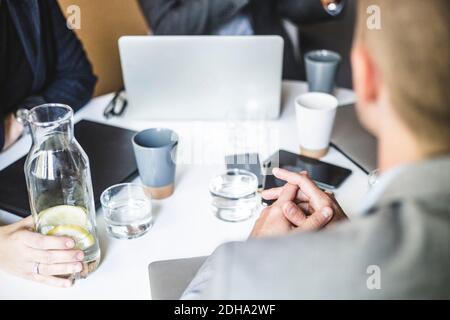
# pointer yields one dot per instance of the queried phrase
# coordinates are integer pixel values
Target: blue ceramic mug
(155, 150)
(321, 67)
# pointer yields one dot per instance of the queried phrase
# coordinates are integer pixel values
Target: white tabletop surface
(183, 225)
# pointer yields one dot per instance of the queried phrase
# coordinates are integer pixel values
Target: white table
(184, 225)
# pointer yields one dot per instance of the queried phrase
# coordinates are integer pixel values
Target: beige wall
(102, 23)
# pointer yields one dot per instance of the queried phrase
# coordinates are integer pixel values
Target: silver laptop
(169, 278)
(202, 77)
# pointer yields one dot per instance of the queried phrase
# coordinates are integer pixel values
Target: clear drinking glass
(127, 210)
(59, 182)
(234, 195)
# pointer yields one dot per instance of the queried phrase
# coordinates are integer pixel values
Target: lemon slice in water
(83, 238)
(63, 214)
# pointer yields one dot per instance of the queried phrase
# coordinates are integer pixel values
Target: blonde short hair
(411, 48)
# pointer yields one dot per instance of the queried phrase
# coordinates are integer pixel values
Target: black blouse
(16, 76)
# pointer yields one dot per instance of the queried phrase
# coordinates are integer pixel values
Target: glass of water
(127, 210)
(234, 195)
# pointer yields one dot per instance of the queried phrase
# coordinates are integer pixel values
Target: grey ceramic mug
(155, 150)
(321, 67)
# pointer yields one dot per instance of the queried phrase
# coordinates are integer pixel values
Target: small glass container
(127, 210)
(234, 195)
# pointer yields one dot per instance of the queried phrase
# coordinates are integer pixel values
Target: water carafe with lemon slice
(59, 182)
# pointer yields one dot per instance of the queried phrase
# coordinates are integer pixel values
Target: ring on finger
(36, 268)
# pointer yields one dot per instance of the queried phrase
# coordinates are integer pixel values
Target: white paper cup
(315, 117)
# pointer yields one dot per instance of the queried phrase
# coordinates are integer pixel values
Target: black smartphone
(326, 175)
(246, 161)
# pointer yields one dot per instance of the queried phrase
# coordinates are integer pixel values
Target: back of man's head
(409, 45)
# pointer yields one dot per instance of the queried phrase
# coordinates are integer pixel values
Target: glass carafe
(59, 182)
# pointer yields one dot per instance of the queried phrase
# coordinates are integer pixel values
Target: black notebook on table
(111, 159)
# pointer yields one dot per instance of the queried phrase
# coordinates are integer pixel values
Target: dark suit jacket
(61, 70)
(202, 17)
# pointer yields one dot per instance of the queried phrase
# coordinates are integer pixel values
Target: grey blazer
(399, 250)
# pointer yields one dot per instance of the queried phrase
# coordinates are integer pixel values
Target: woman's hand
(36, 257)
(13, 130)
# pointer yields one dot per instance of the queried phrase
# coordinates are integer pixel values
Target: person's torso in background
(239, 25)
(15, 72)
